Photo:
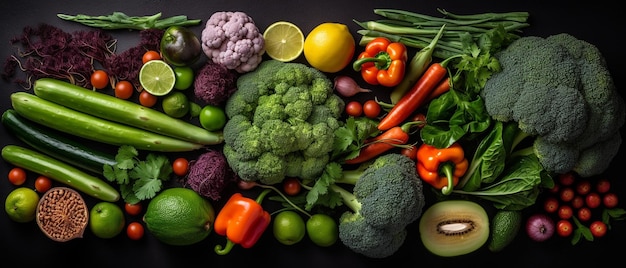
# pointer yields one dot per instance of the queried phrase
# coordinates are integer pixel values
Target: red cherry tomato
(124, 90)
(134, 230)
(603, 186)
(565, 212)
(354, 108)
(610, 200)
(99, 79)
(583, 187)
(593, 200)
(564, 228)
(43, 184)
(584, 214)
(578, 202)
(146, 99)
(291, 186)
(551, 204)
(180, 166)
(17, 176)
(598, 228)
(133, 209)
(150, 55)
(567, 179)
(567, 194)
(371, 109)
(409, 151)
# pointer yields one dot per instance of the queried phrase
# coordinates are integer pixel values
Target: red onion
(347, 87)
(539, 227)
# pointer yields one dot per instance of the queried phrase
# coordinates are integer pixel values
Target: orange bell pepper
(242, 220)
(382, 63)
(441, 168)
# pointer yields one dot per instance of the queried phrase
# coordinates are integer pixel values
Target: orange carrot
(393, 137)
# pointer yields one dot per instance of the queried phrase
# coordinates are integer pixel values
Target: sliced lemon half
(284, 41)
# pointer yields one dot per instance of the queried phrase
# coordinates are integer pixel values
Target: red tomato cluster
(579, 203)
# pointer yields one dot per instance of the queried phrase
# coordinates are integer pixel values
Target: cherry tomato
(124, 90)
(555, 189)
(564, 228)
(291, 186)
(421, 118)
(17, 176)
(565, 212)
(99, 79)
(180, 166)
(593, 200)
(584, 214)
(134, 230)
(354, 108)
(409, 151)
(551, 204)
(212, 117)
(371, 109)
(133, 209)
(598, 228)
(43, 184)
(566, 179)
(578, 202)
(567, 194)
(603, 186)
(146, 99)
(610, 200)
(583, 187)
(150, 55)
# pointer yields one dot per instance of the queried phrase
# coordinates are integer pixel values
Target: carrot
(413, 99)
(393, 137)
(441, 88)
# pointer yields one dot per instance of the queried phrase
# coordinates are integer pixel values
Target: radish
(540, 227)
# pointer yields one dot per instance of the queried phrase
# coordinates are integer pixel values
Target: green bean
(519, 16)
(119, 20)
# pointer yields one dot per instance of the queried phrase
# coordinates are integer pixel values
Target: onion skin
(540, 227)
(347, 87)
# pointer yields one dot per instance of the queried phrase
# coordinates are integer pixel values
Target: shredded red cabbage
(214, 83)
(210, 174)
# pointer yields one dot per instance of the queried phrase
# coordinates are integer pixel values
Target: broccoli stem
(348, 198)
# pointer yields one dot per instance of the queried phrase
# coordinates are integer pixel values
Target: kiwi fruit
(454, 227)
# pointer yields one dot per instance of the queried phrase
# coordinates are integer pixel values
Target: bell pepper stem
(448, 170)
(381, 60)
(226, 249)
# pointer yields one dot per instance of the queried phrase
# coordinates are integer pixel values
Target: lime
(106, 220)
(289, 227)
(212, 117)
(284, 41)
(179, 216)
(157, 77)
(329, 47)
(184, 77)
(175, 104)
(21, 204)
(322, 230)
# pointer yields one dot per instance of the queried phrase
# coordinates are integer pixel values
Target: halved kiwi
(454, 227)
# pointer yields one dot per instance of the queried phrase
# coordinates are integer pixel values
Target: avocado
(505, 225)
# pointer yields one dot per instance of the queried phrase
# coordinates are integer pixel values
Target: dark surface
(22, 244)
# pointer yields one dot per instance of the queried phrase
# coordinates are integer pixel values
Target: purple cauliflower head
(232, 39)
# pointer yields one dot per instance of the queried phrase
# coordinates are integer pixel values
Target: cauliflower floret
(233, 40)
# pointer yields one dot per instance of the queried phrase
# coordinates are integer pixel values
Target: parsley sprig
(138, 179)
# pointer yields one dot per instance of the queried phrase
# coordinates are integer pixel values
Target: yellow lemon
(329, 47)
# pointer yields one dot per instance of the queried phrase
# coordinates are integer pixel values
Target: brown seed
(62, 214)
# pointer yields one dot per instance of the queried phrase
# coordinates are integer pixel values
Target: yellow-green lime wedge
(157, 77)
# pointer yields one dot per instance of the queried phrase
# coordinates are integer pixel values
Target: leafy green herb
(138, 179)
(350, 137)
(319, 194)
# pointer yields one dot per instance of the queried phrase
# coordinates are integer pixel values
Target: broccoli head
(387, 196)
(281, 121)
(560, 91)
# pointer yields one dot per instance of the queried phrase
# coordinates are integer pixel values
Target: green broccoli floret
(386, 197)
(560, 91)
(273, 121)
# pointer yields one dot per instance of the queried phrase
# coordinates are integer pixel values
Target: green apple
(106, 219)
(21, 204)
(289, 227)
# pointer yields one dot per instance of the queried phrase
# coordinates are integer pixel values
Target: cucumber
(76, 123)
(53, 143)
(122, 111)
(59, 171)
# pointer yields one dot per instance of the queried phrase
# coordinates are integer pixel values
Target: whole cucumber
(122, 111)
(94, 128)
(59, 171)
(52, 143)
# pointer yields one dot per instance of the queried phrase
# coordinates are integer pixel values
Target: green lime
(179, 216)
(21, 204)
(175, 104)
(322, 230)
(157, 77)
(184, 77)
(289, 227)
(106, 220)
(194, 109)
(212, 117)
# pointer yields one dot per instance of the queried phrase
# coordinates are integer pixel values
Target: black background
(24, 244)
